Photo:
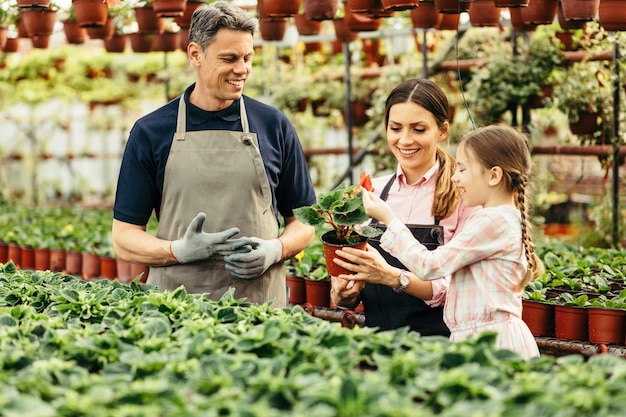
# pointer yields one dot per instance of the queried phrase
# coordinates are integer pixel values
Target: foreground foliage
(78, 348)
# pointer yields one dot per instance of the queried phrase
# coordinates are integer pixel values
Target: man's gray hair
(208, 19)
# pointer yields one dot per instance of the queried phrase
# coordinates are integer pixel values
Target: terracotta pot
(27, 258)
(330, 244)
(40, 41)
(320, 9)
(517, 21)
(32, 3)
(165, 42)
(273, 29)
(425, 16)
(108, 267)
(140, 42)
(606, 325)
(586, 124)
(511, 3)
(38, 21)
(14, 253)
(73, 263)
(570, 323)
(74, 33)
(184, 21)
(364, 6)
(169, 8)
(11, 45)
(357, 22)
(139, 270)
(306, 26)
(3, 35)
(484, 13)
(398, 5)
(4, 252)
(103, 31)
(540, 12)
(183, 39)
(585, 10)
(42, 259)
(317, 292)
(57, 260)
(566, 40)
(116, 43)
(612, 15)
(123, 270)
(568, 24)
(449, 21)
(148, 21)
(539, 317)
(297, 289)
(281, 8)
(90, 265)
(90, 13)
(343, 32)
(453, 6)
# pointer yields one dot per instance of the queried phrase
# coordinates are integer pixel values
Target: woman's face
(413, 135)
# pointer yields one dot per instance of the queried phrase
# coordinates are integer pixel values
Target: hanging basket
(38, 21)
(484, 13)
(74, 33)
(306, 26)
(273, 29)
(148, 21)
(280, 8)
(320, 9)
(540, 12)
(116, 43)
(184, 20)
(399, 5)
(453, 6)
(511, 3)
(169, 8)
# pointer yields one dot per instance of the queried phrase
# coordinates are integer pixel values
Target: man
(216, 167)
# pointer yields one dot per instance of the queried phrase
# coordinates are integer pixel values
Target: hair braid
(535, 266)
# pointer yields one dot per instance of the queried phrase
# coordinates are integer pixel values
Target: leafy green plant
(568, 299)
(342, 209)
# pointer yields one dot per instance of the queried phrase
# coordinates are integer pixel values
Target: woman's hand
(377, 208)
(367, 265)
(345, 292)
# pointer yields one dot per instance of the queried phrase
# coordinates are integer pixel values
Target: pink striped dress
(486, 262)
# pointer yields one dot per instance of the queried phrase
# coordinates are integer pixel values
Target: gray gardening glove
(253, 264)
(197, 245)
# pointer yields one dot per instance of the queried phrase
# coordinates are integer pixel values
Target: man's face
(222, 70)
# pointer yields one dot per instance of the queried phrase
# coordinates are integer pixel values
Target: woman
(423, 197)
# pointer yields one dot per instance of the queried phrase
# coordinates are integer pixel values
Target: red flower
(366, 182)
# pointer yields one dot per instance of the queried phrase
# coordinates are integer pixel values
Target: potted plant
(607, 318)
(341, 209)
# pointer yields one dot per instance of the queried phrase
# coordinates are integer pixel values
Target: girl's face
(471, 178)
(412, 135)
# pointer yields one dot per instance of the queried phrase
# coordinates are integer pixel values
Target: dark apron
(386, 309)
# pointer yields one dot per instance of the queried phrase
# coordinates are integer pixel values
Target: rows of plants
(76, 348)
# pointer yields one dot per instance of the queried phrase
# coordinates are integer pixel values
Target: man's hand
(253, 264)
(197, 245)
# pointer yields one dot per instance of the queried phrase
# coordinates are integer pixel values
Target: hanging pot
(148, 21)
(306, 26)
(320, 9)
(568, 24)
(74, 33)
(449, 21)
(612, 15)
(169, 8)
(102, 32)
(11, 45)
(184, 21)
(540, 12)
(425, 16)
(484, 13)
(140, 42)
(38, 21)
(90, 12)
(33, 3)
(586, 124)
(585, 10)
(517, 21)
(116, 43)
(281, 8)
(343, 32)
(358, 22)
(364, 6)
(273, 29)
(3, 35)
(165, 42)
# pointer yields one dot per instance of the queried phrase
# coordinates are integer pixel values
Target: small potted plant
(341, 209)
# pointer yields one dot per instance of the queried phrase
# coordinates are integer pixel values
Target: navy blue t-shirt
(140, 182)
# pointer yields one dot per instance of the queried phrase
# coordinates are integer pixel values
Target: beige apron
(222, 174)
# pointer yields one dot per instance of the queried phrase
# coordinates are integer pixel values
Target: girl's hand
(377, 208)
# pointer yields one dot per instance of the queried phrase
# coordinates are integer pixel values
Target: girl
(422, 195)
(493, 258)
